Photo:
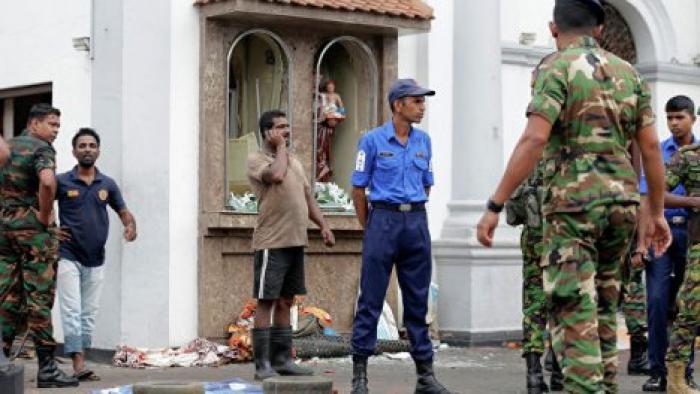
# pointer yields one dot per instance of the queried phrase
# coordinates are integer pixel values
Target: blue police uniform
(396, 232)
(665, 275)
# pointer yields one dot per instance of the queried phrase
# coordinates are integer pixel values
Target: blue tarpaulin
(228, 386)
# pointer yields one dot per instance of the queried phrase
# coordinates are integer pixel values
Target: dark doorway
(617, 36)
(22, 106)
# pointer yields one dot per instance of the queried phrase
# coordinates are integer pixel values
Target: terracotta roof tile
(415, 9)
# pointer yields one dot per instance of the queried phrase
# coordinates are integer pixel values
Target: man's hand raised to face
(276, 138)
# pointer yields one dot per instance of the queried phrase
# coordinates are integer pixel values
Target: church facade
(174, 89)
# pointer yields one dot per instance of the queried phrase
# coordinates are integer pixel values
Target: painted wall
(107, 114)
(141, 94)
(183, 163)
(42, 51)
(428, 58)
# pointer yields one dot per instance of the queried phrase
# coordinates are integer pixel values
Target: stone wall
(225, 256)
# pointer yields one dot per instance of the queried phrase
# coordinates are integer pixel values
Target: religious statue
(330, 113)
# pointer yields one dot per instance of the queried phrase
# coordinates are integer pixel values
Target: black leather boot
(655, 383)
(261, 354)
(556, 382)
(49, 375)
(281, 353)
(359, 375)
(638, 363)
(427, 382)
(535, 378)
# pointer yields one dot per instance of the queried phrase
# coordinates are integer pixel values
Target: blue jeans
(79, 289)
(664, 276)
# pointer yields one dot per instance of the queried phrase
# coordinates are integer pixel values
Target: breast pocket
(420, 164)
(387, 169)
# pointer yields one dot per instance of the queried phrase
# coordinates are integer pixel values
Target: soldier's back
(596, 102)
(19, 180)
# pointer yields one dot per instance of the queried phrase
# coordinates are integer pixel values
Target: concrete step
(11, 378)
(168, 388)
(298, 384)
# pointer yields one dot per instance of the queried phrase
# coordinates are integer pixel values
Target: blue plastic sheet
(228, 386)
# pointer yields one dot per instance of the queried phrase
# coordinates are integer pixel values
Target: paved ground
(466, 370)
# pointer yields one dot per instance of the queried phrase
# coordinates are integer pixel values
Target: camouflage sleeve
(645, 114)
(549, 91)
(44, 158)
(675, 171)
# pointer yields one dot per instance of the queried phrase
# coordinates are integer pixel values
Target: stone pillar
(479, 288)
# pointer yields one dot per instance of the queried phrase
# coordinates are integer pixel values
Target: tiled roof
(414, 9)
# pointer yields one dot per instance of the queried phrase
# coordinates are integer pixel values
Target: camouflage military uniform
(529, 213)
(634, 301)
(28, 250)
(684, 168)
(595, 102)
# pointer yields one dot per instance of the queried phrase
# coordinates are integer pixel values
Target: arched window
(258, 81)
(617, 36)
(350, 65)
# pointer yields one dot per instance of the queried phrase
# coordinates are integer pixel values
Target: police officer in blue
(394, 163)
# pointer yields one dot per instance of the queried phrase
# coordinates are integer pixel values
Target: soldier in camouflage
(634, 309)
(664, 274)
(28, 241)
(525, 208)
(684, 169)
(588, 106)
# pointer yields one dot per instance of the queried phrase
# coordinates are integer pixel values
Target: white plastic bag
(386, 329)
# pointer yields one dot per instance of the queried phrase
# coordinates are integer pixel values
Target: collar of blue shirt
(669, 146)
(74, 174)
(389, 132)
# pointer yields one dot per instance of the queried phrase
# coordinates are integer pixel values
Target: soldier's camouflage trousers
(584, 252)
(688, 319)
(534, 306)
(28, 258)
(634, 297)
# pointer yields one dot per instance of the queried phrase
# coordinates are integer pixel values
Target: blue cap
(407, 87)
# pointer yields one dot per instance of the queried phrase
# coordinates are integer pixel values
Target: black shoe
(359, 375)
(691, 382)
(638, 364)
(655, 383)
(535, 378)
(49, 375)
(281, 353)
(548, 359)
(261, 354)
(427, 383)
(556, 381)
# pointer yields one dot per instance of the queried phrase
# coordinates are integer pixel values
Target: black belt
(406, 207)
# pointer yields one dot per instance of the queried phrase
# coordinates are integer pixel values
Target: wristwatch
(493, 207)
